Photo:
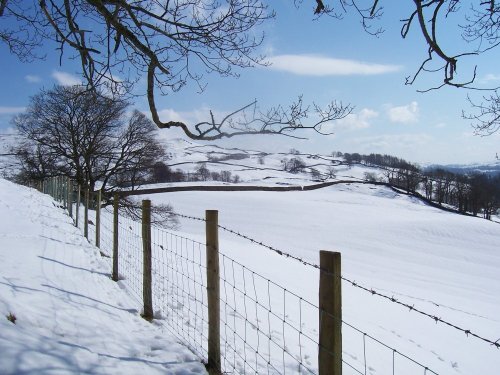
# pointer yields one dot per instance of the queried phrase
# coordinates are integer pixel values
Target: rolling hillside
(443, 264)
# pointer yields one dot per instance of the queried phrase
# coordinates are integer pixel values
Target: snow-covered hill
(441, 263)
(255, 166)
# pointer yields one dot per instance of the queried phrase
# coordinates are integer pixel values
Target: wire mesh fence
(265, 328)
(106, 238)
(130, 260)
(179, 287)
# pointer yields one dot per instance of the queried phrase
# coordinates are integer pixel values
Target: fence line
(264, 328)
(370, 290)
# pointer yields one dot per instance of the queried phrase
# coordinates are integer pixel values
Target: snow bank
(70, 317)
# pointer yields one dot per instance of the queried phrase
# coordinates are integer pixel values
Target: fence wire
(130, 258)
(179, 287)
(106, 245)
(353, 283)
(265, 328)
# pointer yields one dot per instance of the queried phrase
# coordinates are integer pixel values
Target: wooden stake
(86, 213)
(330, 314)
(116, 201)
(78, 199)
(147, 294)
(213, 291)
(98, 219)
(70, 197)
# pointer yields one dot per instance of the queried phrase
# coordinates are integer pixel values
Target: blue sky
(322, 60)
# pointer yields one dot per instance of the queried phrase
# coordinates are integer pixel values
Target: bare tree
(486, 118)
(477, 24)
(119, 41)
(174, 42)
(86, 136)
(478, 27)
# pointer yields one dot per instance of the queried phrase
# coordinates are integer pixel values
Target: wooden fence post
(86, 213)
(330, 314)
(59, 189)
(78, 199)
(147, 295)
(98, 219)
(116, 202)
(70, 196)
(64, 192)
(56, 188)
(213, 291)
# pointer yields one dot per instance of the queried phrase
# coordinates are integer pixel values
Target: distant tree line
(477, 193)
(161, 172)
(472, 192)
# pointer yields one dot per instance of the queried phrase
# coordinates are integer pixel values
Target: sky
(323, 60)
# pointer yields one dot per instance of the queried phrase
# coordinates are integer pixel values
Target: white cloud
(66, 79)
(169, 114)
(313, 65)
(355, 121)
(11, 110)
(32, 78)
(404, 114)
(190, 117)
(394, 144)
(490, 78)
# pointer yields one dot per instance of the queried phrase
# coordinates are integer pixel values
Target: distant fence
(235, 319)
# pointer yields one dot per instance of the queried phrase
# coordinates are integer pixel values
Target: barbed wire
(187, 286)
(284, 316)
(411, 308)
(353, 283)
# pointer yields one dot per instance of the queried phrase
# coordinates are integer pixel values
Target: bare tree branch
(486, 119)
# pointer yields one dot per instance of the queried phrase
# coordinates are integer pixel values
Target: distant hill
(490, 169)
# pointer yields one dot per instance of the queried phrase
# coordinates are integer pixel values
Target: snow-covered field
(71, 318)
(442, 263)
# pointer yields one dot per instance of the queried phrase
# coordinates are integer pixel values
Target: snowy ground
(442, 263)
(70, 317)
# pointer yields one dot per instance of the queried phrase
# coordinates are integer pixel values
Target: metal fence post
(146, 247)
(116, 202)
(213, 292)
(330, 314)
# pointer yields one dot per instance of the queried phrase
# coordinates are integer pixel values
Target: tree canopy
(83, 135)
